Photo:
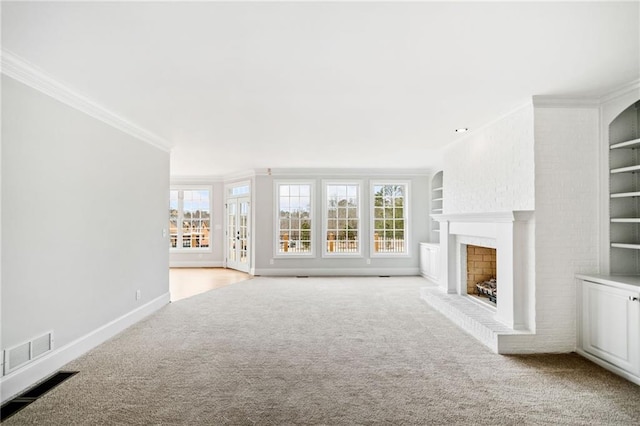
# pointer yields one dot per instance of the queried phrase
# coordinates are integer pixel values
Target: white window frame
(407, 215)
(325, 218)
(179, 248)
(312, 217)
(231, 193)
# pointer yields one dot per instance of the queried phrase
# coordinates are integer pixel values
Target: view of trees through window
(342, 218)
(389, 222)
(189, 218)
(294, 218)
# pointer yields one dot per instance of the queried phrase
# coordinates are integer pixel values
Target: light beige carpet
(334, 351)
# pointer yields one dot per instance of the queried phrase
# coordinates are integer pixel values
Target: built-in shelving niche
(624, 185)
(436, 204)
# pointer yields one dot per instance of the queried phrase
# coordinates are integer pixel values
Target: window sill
(294, 256)
(388, 255)
(342, 256)
(191, 250)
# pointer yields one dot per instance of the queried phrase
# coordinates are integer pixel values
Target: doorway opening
(238, 227)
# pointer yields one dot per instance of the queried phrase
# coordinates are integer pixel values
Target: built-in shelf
(626, 169)
(626, 246)
(437, 198)
(624, 191)
(635, 143)
(625, 195)
(608, 326)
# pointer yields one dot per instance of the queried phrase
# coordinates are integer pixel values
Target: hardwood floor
(187, 282)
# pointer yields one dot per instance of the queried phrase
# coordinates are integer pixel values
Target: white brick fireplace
(512, 235)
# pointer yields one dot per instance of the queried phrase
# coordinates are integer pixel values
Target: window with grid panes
(294, 219)
(342, 218)
(189, 219)
(389, 233)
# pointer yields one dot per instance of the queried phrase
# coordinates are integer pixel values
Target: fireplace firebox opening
(481, 273)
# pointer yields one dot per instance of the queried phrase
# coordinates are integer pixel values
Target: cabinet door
(611, 325)
(424, 260)
(434, 264)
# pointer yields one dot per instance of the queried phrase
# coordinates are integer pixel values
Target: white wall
(215, 256)
(264, 233)
(567, 204)
(492, 169)
(84, 207)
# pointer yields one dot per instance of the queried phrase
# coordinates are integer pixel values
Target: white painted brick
(542, 159)
(566, 203)
(492, 169)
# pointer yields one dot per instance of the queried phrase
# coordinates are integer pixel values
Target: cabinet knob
(634, 299)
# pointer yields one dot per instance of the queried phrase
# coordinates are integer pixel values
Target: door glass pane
(244, 231)
(231, 231)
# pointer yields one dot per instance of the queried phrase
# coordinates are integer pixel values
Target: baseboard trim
(608, 366)
(196, 264)
(21, 379)
(429, 278)
(324, 272)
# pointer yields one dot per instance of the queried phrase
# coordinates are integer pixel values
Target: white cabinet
(430, 261)
(610, 322)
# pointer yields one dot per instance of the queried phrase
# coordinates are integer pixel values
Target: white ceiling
(236, 86)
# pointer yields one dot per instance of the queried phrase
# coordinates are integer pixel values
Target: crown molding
(327, 173)
(204, 179)
(544, 101)
(235, 176)
(195, 180)
(473, 132)
(19, 69)
(306, 173)
(621, 91)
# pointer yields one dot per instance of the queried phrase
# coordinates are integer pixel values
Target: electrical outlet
(138, 294)
(164, 232)
(271, 261)
(368, 261)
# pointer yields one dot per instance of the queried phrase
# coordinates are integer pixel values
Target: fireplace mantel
(511, 233)
(485, 217)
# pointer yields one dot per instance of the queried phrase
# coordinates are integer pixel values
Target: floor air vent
(18, 403)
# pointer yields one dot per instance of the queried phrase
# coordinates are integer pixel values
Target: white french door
(237, 233)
